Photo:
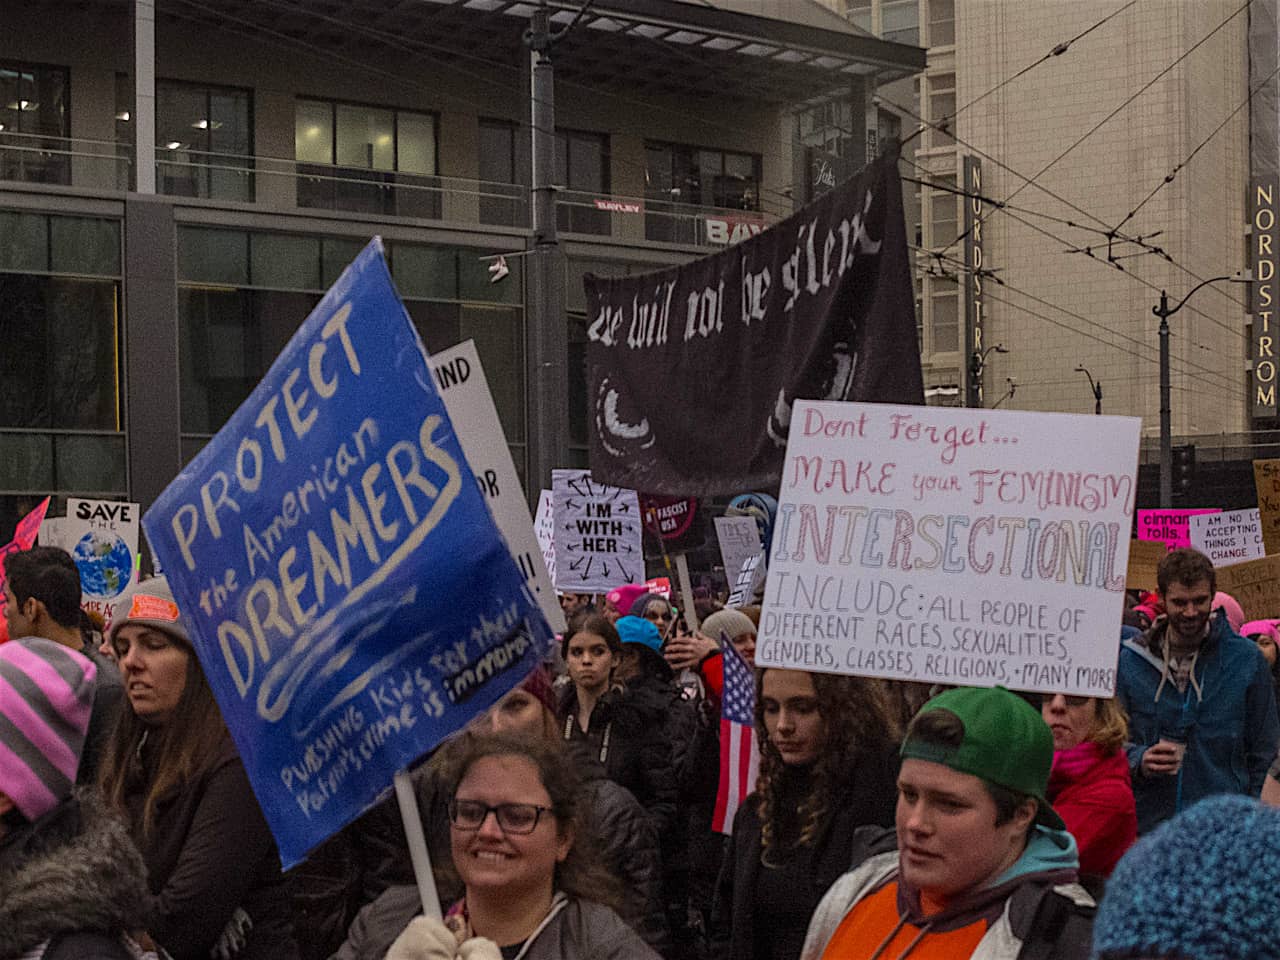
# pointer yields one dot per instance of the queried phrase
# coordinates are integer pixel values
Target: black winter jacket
(868, 799)
(72, 883)
(627, 735)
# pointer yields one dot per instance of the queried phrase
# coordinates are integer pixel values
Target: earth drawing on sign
(105, 563)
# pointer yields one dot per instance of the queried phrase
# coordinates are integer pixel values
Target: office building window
(676, 174)
(858, 12)
(242, 295)
(900, 21)
(35, 124)
(60, 414)
(944, 207)
(944, 304)
(582, 169)
(367, 159)
(941, 105)
(503, 200)
(204, 138)
(942, 22)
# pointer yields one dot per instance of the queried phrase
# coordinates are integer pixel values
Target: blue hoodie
(1227, 716)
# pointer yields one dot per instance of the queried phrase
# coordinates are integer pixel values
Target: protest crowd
(584, 815)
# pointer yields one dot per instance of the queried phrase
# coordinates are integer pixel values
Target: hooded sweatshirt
(1226, 714)
(869, 915)
(1092, 793)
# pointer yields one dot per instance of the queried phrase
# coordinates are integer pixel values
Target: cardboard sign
(1256, 586)
(461, 381)
(1266, 479)
(598, 534)
(1144, 558)
(102, 538)
(739, 541)
(24, 538)
(544, 527)
(956, 546)
(1228, 537)
(343, 582)
(1171, 527)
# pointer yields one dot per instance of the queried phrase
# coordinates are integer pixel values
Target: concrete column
(151, 346)
(273, 140)
(144, 78)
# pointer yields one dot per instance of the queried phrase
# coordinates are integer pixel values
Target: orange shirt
(874, 918)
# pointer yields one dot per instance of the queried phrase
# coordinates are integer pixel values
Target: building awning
(669, 47)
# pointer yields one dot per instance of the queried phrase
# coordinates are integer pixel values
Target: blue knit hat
(641, 631)
(1203, 886)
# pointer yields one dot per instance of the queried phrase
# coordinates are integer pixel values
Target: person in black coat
(615, 713)
(828, 766)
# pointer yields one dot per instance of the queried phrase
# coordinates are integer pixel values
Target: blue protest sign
(347, 592)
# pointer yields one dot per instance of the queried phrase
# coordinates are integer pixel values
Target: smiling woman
(533, 887)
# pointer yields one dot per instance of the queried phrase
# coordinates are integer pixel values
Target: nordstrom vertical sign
(1263, 197)
(973, 306)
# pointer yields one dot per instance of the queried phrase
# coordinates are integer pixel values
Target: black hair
(592, 622)
(49, 575)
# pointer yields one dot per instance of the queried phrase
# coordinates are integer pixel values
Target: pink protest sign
(24, 538)
(1170, 526)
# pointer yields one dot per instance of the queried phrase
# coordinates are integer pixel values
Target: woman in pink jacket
(1089, 785)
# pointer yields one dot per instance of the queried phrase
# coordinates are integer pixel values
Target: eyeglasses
(1048, 698)
(513, 818)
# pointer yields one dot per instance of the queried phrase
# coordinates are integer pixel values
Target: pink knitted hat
(46, 694)
(1233, 610)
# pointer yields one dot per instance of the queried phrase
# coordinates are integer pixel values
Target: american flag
(739, 759)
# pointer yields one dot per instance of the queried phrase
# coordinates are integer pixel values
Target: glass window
(336, 255)
(59, 366)
(24, 241)
(204, 136)
(428, 272)
(287, 262)
(499, 336)
(944, 212)
(498, 204)
(678, 174)
(942, 107)
(366, 137)
(382, 156)
(582, 168)
(416, 143)
(476, 283)
(942, 22)
(213, 256)
(858, 12)
(944, 303)
(900, 21)
(313, 132)
(84, 245)
(34, 123)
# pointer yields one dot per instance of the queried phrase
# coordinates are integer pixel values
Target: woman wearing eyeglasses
(1089, 785)
(532, 889)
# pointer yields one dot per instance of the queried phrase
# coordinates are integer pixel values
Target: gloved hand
(425, 938)
(479, 948)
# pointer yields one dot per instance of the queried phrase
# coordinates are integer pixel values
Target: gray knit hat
(151, 604)
(730, 622)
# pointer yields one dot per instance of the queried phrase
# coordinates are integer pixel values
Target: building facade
(149, 277)
(1152, 88)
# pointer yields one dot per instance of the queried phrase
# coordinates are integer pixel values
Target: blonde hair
(1110, 728)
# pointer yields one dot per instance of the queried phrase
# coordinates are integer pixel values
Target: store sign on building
(619, 206)
(726, 231)
(973, 305)
(1263, 196)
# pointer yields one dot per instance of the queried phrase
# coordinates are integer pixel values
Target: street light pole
(1095, 387)
(977, 365)
(1164, 312)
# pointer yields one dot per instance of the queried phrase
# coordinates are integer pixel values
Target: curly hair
(857, 724)
(1187, 567)
(581, 874)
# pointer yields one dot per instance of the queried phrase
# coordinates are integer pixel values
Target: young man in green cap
(984, 867)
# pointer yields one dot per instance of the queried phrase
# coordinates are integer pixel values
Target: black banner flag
(692, 370)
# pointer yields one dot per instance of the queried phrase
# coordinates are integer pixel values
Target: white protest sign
(598, 533)
(102, 538)
(743, 585)
(948, 545)
(739, 539)
(1229, 537)
(544, 526)
(52, 533)
(461, 381)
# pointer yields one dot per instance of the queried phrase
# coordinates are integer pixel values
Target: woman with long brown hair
(827, 767)
(171, 770)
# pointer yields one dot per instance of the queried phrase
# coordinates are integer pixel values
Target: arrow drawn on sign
(606, 567)
(626, 573)
(617, 492)
(587, 572)
(577, 563)
(573, 504)
(629, 548)
(572, 547)
(625, 508)
(573, 485)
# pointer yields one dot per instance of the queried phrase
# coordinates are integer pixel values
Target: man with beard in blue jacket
(1201, 704)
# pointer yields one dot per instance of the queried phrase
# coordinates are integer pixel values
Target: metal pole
(1166, 434)
(547, 330)
(1097, 399)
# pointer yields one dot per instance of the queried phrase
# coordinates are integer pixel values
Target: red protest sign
(24, 538)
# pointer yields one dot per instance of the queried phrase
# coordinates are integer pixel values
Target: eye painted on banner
(619, 435)
(832, 381)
